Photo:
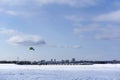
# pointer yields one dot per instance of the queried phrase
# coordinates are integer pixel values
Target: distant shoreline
(63, 62)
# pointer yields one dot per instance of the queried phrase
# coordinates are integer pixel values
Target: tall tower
(17, 59)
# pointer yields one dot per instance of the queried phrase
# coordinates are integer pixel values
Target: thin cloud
(112, 17)
(14, 12)
(65, 46)
(74, 18)
(97, 31)
(73, 3)
(19, 38)
(11, 2)
(18, 13)
(20, 6)
(26, 40)
(34, 40)
(76, 46)
(8, 31)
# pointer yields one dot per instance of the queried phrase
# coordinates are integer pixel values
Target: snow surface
(60, 72)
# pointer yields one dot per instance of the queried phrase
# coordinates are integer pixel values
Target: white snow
(60, 72)
(63, 67)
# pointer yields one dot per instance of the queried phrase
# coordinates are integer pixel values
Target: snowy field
(60, 72)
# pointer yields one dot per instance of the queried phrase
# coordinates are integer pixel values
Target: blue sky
(60, 29)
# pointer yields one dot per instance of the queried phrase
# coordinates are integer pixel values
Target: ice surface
(60, 72)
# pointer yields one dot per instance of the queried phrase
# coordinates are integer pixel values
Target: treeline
(16, 62)
(62, 62)
(8, 62)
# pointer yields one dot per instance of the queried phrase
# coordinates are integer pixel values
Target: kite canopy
(31, 48)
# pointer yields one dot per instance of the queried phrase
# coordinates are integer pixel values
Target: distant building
(51, 60)
(73, 60)
(42, 62)
(55, 60)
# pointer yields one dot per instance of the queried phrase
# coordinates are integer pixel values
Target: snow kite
(31, 48)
